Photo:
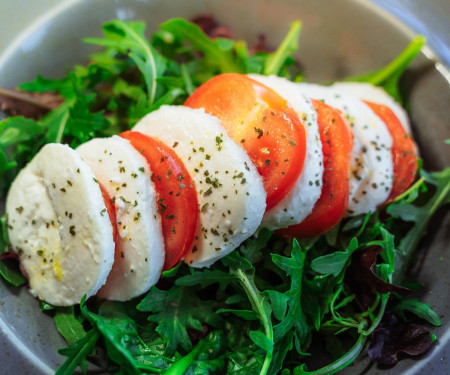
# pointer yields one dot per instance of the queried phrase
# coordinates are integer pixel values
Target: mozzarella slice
(375, 94)
(230, 192)
(58, 228)
(125, 175)
(371, 167)
(300, 201)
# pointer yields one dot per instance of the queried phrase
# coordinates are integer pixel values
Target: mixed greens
(264, 308)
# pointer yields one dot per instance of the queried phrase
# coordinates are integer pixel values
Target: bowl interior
(338, 39)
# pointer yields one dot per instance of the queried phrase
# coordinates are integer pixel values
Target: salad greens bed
(266, 306)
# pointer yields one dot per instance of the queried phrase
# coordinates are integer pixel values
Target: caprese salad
(193, 182)
(159, 179)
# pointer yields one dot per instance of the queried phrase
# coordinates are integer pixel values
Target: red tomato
(263, 123)
(176, 195)
(111, 212)
(337, 143)
(403, 150)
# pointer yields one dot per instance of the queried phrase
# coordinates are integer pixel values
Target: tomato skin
(337, 143)
(263, 123)
(110, 209)
(176, 195)
(404, 156)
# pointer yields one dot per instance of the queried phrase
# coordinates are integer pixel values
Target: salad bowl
(339, 39)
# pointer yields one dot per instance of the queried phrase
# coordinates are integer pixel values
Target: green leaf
(420, 309)
(77, 353)
(244, 314)
(9, 269)
(217, 53)
(387, 245)
(56, 122)
(276, 60)
(18, 129)
(61, 86)
(128, 38)
(67, 325)
(419, 215)
(4, 238)
(234, 260)
(260, 305)
(262, 341)
(175, 311)
(334, 263)
(121, 337)
(46, 306)
(173, 271)
(278, 302)
(206, 278)
(167, 99)
(279, 353)
(295, 317)
(253, 248)
(316, 297)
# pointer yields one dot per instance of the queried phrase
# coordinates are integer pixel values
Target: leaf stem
(337, 365)
(151, 59)
(252, 294)
(180, 366)
(289, 45)
(414, 186)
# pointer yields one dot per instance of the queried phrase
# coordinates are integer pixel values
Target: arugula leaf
(119, 334)
(278, 302)
(68, 325)
(128, 38)
(317, 294)
(77, 353)
(295, 317)
(4, 238)
(62, 86)
(280, 351)
(206, 278)
(419, 215)
(9, 269)
(244, 272)
(217, 53)
(252, 248)
(244, 314)
(334, 263)
(420, 309)
(18, 129)
(277, 59)
(262, 341)
(175, 311)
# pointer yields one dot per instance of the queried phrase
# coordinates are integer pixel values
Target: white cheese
(375, 94)
(125, 175)
(300, 201)
(230, 192)
(371, 166)
(58, 226)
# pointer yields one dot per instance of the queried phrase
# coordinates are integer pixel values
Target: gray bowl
(339, 39)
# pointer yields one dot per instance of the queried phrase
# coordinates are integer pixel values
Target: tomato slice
(111, 212)
(403, 150)
(176, 195)
(337, 143)
(263, 123)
